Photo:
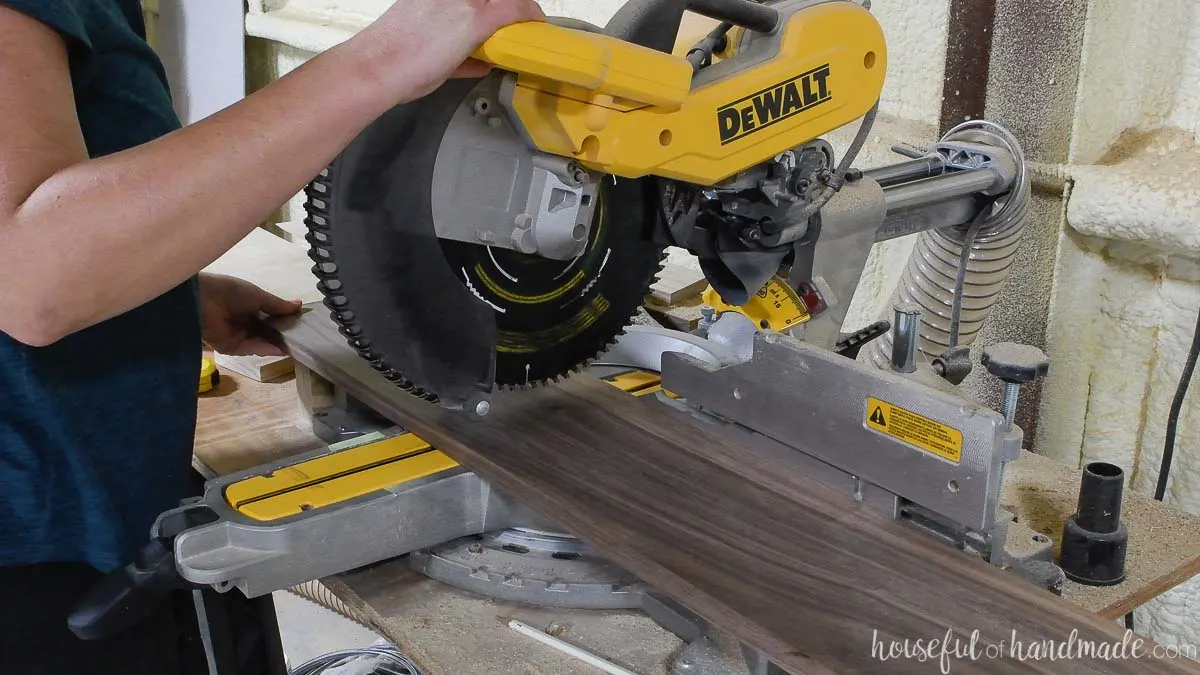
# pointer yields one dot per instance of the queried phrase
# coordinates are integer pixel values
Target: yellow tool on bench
(210, 377)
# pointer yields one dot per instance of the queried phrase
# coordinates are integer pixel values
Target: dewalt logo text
(774, 104)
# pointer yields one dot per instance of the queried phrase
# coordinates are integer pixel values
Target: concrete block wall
(1105, 96)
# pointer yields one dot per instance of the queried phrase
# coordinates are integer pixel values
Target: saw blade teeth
(319, 254)
(330, 286)
(316, 222)
(335, 303)
(325, 270)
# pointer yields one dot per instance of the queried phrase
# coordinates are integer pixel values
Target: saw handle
(129, 595)
(600, 64)
(749, 15)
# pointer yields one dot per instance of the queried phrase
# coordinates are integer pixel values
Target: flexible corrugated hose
(933, 273)
(318, 594)
(378, 659)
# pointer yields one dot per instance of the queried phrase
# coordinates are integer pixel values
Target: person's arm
(85, 239)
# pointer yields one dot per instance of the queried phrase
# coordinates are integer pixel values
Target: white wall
(202, 46)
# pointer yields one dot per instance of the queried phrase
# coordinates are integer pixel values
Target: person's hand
(230, 316)
(423, 43)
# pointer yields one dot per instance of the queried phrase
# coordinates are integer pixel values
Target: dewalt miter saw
(502, 231)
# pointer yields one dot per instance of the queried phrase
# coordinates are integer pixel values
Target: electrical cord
(960, 281)
(838, 178)
(1168, 455)
(1189, 368)
(700, 56)
(383, 660)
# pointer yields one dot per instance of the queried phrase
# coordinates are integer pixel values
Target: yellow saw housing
(627, 110)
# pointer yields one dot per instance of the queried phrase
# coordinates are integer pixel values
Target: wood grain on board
(780, 561)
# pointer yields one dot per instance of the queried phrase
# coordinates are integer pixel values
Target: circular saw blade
(448, 320)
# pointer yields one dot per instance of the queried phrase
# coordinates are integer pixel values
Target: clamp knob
(1014, 364)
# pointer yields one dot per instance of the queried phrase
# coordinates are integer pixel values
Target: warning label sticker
(905, 425)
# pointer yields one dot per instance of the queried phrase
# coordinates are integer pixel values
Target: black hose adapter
(1094, 539)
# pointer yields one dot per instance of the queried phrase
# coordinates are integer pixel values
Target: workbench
(244, 423)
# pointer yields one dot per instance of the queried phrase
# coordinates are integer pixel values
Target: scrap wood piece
(817, 582)
(257, 368)
(676, 284)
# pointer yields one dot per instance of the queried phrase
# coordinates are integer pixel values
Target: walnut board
(246, 423)
(778, 560)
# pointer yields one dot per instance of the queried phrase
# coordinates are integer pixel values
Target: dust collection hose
(935, 273)
(383, 657)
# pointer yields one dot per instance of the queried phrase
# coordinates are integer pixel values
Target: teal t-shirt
(96, 431)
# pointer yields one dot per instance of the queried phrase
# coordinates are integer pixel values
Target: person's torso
(96, 430)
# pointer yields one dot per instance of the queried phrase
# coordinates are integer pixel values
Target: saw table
(245, 424)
